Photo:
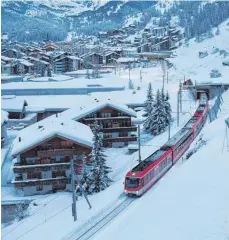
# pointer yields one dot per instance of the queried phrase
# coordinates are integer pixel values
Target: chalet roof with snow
(81, 112)
(25, 63)
(4, 58)
(4, 117)
(70, 57)
(53, 126)
(13, 104)
(126, 60)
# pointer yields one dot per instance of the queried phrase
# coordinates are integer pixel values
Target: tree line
(157, 111)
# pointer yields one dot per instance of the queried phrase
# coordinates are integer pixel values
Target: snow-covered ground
(52, 209)
(190, 202)
(189, 64)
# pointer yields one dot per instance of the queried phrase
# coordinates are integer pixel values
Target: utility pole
(129, 70)
(139, 145)
(180, 90)
(163, 86)
(73, 178)
(169, 130)
(74, 211)
(178, 108)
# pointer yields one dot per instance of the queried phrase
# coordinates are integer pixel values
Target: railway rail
(102, 220)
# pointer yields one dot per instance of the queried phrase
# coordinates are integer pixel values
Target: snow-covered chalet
(43, 152)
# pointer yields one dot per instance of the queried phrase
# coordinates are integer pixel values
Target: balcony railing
(119, 129)
(41, 162)
(57, 152)
(117, 118)
(34, 182)
(41, 167)
(120, 139)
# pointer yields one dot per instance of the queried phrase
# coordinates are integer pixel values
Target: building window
(123, 134)
(105, 115)
(39, 187)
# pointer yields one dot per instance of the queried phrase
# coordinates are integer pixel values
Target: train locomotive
(150, 170)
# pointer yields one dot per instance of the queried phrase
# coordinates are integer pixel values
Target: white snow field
(188, 203)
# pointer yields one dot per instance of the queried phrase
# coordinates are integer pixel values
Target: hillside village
(108, 48)
(105, 102)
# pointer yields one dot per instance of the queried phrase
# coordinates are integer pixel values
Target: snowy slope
(189, 64)
(190, 202)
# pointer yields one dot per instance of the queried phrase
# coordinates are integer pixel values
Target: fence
(213, 111)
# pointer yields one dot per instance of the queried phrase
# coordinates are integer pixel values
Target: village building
(17, 112)
(110, 57)
(127, 61)
(49, 47)
(67, 64)
(21, 67)
(42, 163)
(4, 119)
(117, 129)
(38, 65)
(92, 58)
(6, 65)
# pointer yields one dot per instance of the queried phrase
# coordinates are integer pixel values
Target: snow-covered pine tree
(98, 177)
(85, 173)
(168, 108)
(88, 74)
(149, 101)
(167, 97)
(49, 72)
(42, 71)
(159, 118)
(95, 72)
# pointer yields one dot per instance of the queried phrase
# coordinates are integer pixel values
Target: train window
(132, 182)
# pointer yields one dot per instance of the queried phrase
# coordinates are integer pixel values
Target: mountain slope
(33, 20)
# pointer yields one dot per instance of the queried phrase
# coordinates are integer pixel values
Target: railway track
(102, 220)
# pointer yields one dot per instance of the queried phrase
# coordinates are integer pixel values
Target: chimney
(19, 139)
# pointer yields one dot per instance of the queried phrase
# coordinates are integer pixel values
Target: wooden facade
(116, 126)
(45, 167)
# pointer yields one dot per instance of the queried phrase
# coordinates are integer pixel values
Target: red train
(145, 174)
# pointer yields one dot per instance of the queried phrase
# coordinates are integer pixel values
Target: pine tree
(168, 108)
(85, 173)
(149, 101)
(88, 74)
(42, 71)
(49, 72)
(159, 118)
(167, 97)
(98, 177)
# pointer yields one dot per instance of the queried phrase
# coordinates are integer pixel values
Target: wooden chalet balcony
(116, 118)
(56, 152)
(120, 139)
(41, 167)
(34, 182)
(119, 129)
